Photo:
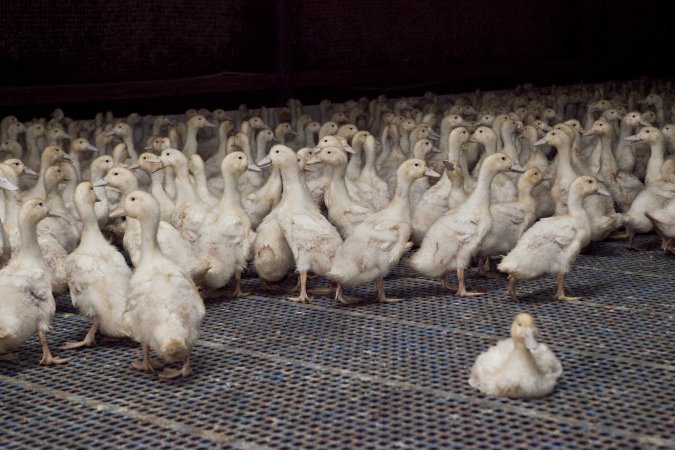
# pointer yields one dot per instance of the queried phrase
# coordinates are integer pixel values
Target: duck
(663, 220)
(98, 275)
(552, 244)
(126, 134)
(225, 235)
(212, 164)
(250, 181)
(5, 245)
(77, 148)
(456, 236)
(97, 170)
(343, 212)
(373, 191)
(62, 226)
(377, 244)
(422, 149)
(654, 197)
(517, 367)
(169, 238)
(511, 219)
(163, 310)
(311, 237)
(27, 305)
(503, 189)
(194, 124)
(51, 155)
(447, 193)
(196, 167)
(152, 165)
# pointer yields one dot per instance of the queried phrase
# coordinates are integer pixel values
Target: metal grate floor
(269, 373)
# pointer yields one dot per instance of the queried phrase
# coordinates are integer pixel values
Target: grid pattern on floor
(270, 373)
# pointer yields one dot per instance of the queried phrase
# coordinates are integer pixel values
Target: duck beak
(7, 185)
(541, 141)
(633, 138)
(530, 341)
(293, 133)
(28, 171)
(602, 190)
(644, 123)
(210, 125)
(473, 140)
(102, 182)
(67, 157)
(91, 147)
(161, 166)
(253, 167)
(429, 172)
(515, 167)
(434, 136)
(109, 133)
(545, 127)
(448, 165)
(265, 162)
(349, 149)
(118, 212)
(547, 176)
(588, 133)
(435, 149)
(313, 160)
(56, 214)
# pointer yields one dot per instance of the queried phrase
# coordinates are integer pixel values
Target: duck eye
(647, 131)
(590, 182)
(133, 199)
(277, 151)
(116, 173)
(40, 204)
(240, 157)
(417, 165)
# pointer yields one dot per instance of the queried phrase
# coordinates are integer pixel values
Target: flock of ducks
(531, 176)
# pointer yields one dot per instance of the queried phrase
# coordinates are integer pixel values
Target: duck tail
(173, 350)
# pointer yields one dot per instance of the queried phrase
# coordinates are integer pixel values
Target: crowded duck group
(529, 176)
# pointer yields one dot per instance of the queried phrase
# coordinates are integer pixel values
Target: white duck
(519, 367)
(98, 275)
(552, 244)
(377, 244)
(225, 235)
(27, 303)
(511, 219)
(163, 310)
(5, 245)
(372, 190)
(194, 124)
(456, 236)
(311, 237)
(343, 211)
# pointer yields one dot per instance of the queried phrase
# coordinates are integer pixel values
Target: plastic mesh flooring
(269, 373)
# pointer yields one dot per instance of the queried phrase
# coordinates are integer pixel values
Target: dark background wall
(154, 55)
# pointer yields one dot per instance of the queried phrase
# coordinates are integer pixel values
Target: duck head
(119, 178)
(237, 163)
(587, 185)
(523, 330)
(81, 145)
(199, 121)
(648, 135)
(600, 127)
(279, 156)
(413, 169)
(173, 158)
(137, 205)
(149, 162)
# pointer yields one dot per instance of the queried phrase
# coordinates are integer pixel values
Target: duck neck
(185, 192)
(655, 162)
(230, 199)
(480, 197)
(11, 208)
(369, 165)
(525, 196)
(338, 185)
(400, 204)
(294, 189)
(309, 138)
(129, 142)
(608, 163)
(354, 164)
(510, 146)
(575, 205)
(564, 167)
(30, 249)
(91, 233)
(261, 147)
(149, 245)
(190, 147)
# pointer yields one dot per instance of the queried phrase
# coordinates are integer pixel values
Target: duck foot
(146, 364)
(269, 287)
(512, 288)
(47, 358)
(461, 291)
(560, 291)
(625, 234)
(88, 340)
(445, 284)
(237, 287)
(303, 297)
(184, 371)
(632, 245)
(9, 357)
(381, 297)
(343, 298)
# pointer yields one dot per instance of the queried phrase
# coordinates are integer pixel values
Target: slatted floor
(273, 374)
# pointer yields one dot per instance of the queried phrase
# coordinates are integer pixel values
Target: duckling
(343, 211)
(311, 237)
(518, 367)
(552, 244)
(27, 303)
(511, 219)
(225, 235)
(376, 245)
(163, 310)
(455, 237)
(98, 275)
